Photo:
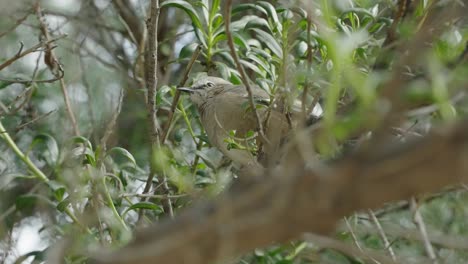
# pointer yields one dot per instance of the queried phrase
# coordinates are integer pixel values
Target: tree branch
(254, 216)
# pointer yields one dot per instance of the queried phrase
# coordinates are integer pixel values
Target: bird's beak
(185, 89)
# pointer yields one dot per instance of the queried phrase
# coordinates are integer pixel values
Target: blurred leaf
(144, 205)
(82, 140)
(51, 152)
(332, 256)
(247, 7)
(5, 84)
(124, 153)
(58, 189)
(29, 201)
(39, 257)
(188, 50)
(61, 206)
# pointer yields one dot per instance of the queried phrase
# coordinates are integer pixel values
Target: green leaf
(269, 41)
(144, 205)
(29, 201)
(218, 22)
(188, 50)
(86, 152)
(250, 21)
(82, 140)
(270, 9)
(51, 151)
(203, 138)
(247, 7)
(200, 36)
(240, 41)
(260, 61)
(226, 56)
(253, 67)
(61, 206)
(58, 189)
(123, 152)
(188, 8)
(205, 6)
(25, 202)
(214, 10)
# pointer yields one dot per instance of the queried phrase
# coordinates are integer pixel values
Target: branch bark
(261, 213)
(151, 78)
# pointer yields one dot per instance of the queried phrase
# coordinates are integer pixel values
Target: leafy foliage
(89, 187)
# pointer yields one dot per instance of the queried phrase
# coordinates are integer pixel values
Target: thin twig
(112, 122)
(175, 100)
(34, 120)
(157, 196)
(151, 78)
(326, 242)
(240, 69)
(418, 220)
(87, 86)
(28, 82)
(50, 59)
(356, 241)
(309, 66)
(30, 50)
(382, 234)
(17, 23)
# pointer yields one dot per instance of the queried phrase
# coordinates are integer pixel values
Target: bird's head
(203, 88)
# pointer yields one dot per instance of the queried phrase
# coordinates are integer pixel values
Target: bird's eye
(210, 84)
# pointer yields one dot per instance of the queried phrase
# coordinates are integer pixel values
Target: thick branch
(281, 207)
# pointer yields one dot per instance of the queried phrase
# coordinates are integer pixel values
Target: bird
(224, 108)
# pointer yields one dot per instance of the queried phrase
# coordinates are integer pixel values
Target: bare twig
(418, 220)
(112, 122)
(157, 196)
(151, 78)
(382, 234)
(28, 82)
(355, 239)
(175, 100)
(30, 50)
(130, 20)
(17, 23)
(326, 242)
(240, 69)
(18, 128)
(50, 59)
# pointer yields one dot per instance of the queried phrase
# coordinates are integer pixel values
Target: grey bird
(225, 107)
